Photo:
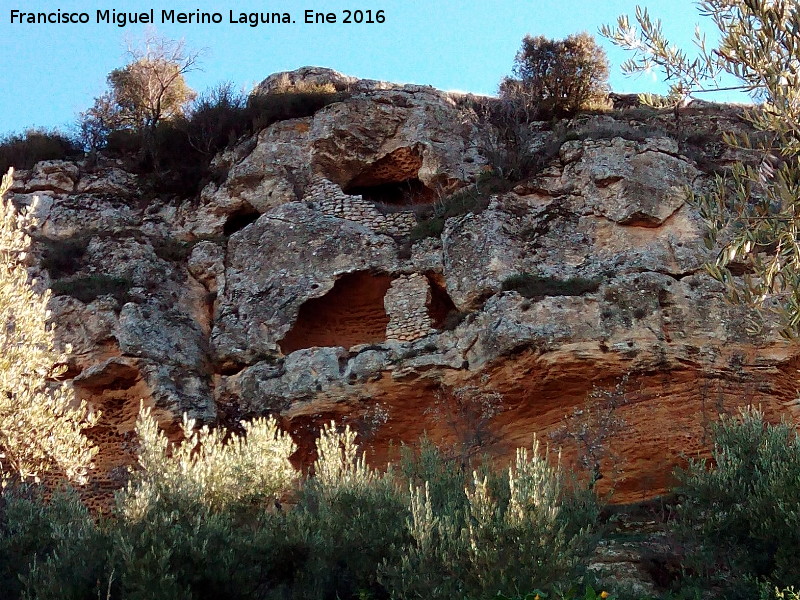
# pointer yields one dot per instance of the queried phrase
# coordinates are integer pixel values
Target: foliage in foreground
(211, 468)
(216, 517)
(40, 423)
(206, 520)
(741, 512)
(513, 538)
(751, 214)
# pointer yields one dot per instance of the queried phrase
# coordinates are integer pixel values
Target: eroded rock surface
(292, 287)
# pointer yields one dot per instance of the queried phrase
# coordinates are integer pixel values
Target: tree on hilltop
(558, 77)
(148, 90)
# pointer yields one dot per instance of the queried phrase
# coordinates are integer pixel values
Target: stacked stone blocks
(331, 200)
(406, 303)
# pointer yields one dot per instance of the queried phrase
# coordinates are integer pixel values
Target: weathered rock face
(288, 256)
(292, 287)
(396, 145)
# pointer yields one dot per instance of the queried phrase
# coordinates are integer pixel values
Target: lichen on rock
(290, 285)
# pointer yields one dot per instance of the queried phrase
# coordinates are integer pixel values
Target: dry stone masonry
(331, 200)
(307, 309)
(406, 303)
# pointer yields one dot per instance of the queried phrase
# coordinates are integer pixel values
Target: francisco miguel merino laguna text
(253, 19)
(121, 18)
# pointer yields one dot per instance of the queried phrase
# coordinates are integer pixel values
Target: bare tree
(467, 412)
(592, 426)
(148, 90)
(151, 87)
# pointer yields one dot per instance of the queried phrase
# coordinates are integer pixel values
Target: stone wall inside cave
(331, 200)
(369, 308)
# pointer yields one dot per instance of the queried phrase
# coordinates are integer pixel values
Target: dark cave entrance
(393, 180)
(400, 193)
(440, 306)
(240, 219)
(351, 313)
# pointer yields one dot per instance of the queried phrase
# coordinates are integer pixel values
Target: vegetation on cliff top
(222, 515)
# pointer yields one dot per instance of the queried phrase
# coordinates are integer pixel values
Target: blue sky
(53, 71)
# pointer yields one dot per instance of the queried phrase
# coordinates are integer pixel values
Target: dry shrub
(23, 151)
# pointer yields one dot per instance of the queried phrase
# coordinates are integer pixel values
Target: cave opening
(400, 193)
(441, 306)
(239, 220)
(351, 313)
(393, 180)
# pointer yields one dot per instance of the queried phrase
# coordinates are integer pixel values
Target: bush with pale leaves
(213, 468)
(530, 531)
(40, 421)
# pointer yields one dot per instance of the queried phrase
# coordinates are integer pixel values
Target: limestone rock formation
(294, 286)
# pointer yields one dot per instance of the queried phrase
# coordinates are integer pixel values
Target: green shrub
(124, 142)
(537, 286)
(89, 288)
(293, 103)
(216, 119)
(193, 522)
(63, 258)
(200, 520)
(173, 166)
(184, 551)
(353, 519)
(615, 129)
(176, 550)
(740, 512)
(34, 531)
(507, 145)
(431, 227)
(214, 468)
(575, 592)
(513, 540)
(787, 594)
(172, 250)
(25, 150)
(425, 465)
(558, 77)
(473, 199)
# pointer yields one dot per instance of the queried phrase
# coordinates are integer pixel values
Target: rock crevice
(292, 287)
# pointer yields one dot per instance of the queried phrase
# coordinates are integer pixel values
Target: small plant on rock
(539, 286)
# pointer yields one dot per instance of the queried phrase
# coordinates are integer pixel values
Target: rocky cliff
(573, 306)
